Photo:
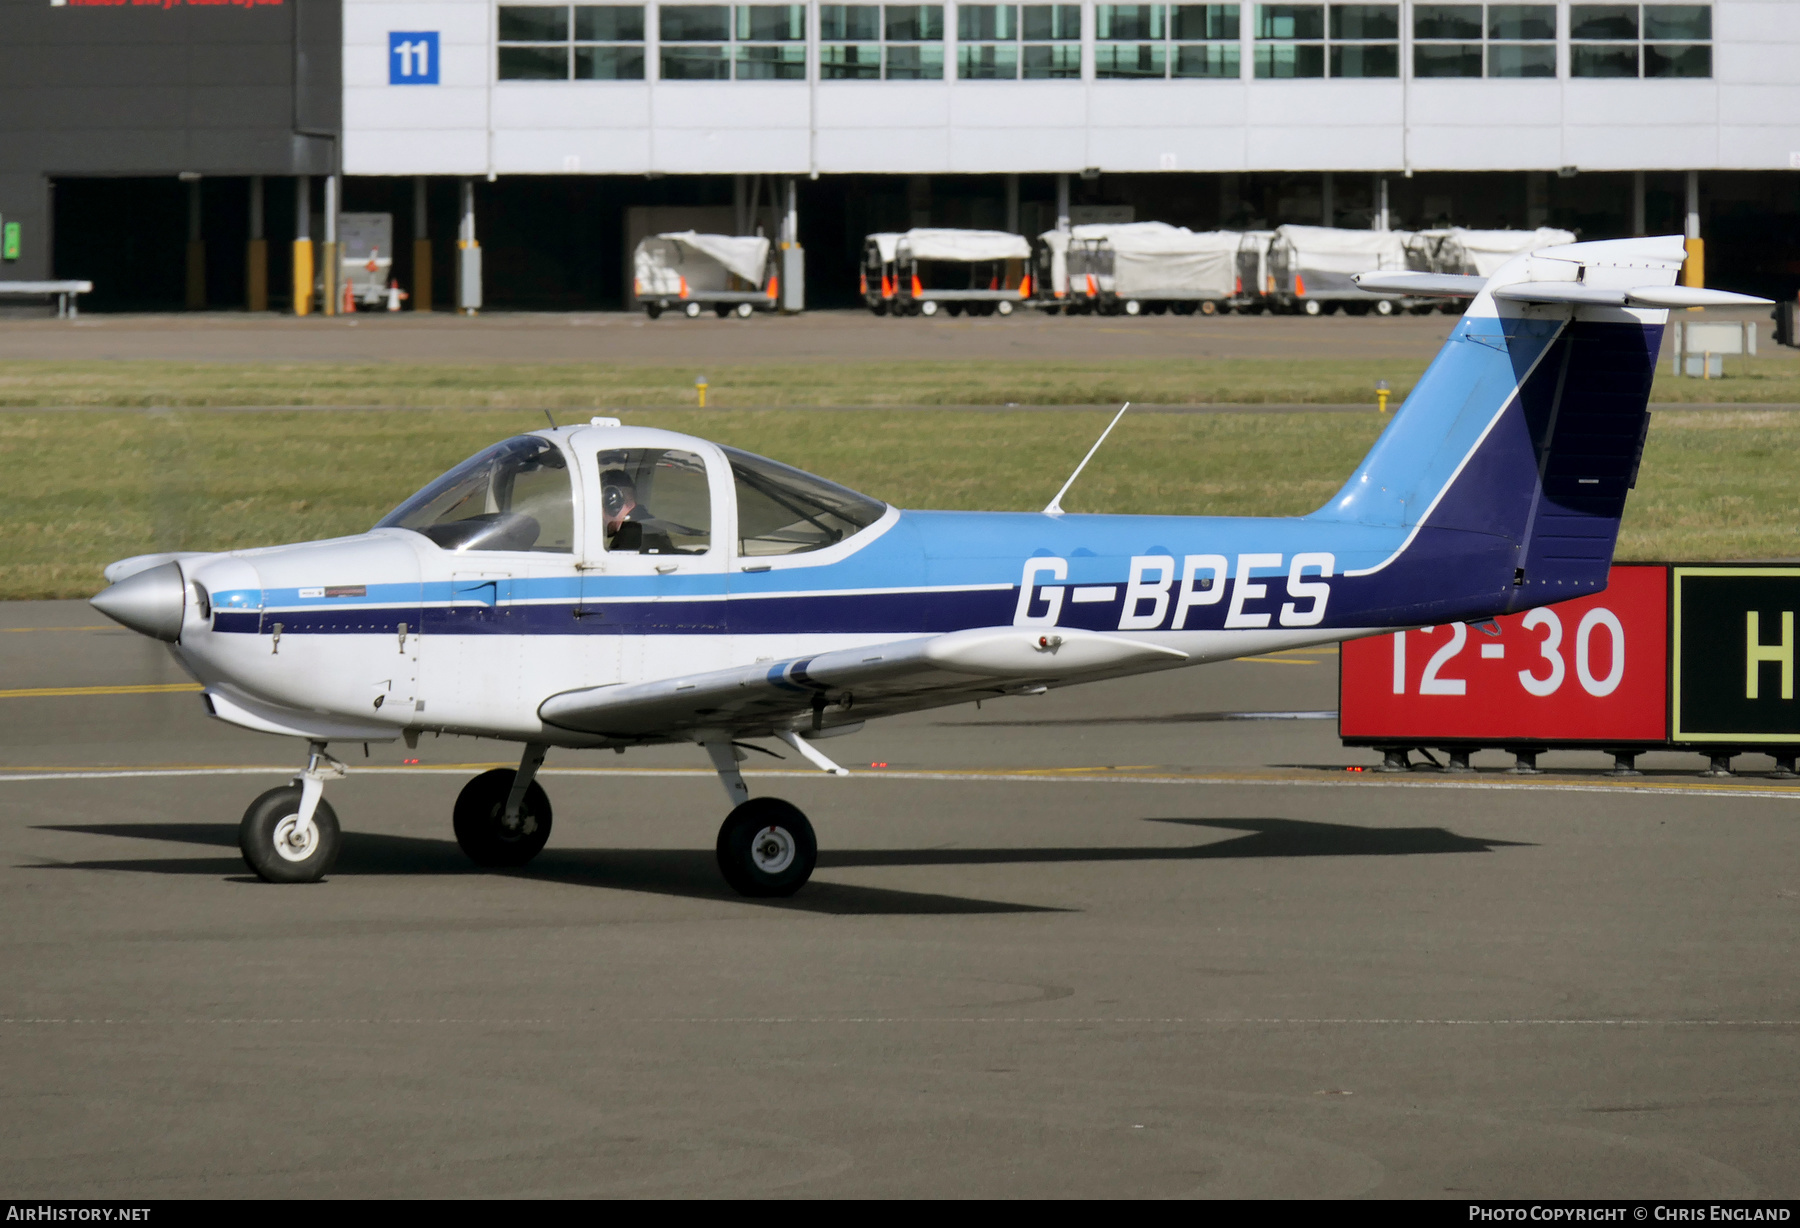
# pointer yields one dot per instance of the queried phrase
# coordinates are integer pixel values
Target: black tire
(261, 838)
(722, 310)
(652, 310)
(767, 848)
(482, 834)
(956, 309)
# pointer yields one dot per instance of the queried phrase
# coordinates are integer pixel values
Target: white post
(790, 223)
(468, 254)
(1380, 219)
(331, 208)
(1693, 204)
(1062, 202)
(1012, 203)
(302, 208)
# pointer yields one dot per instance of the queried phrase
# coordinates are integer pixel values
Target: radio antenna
(1055, 507)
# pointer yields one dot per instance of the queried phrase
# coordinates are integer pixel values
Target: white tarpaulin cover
(1487, 250)
(746, 256)
(963, 245)
(888, 244)
(1328, 250)
(1155, 259)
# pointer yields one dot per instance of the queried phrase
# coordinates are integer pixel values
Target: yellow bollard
(303, 277)
(1381, 396)
(700, 387)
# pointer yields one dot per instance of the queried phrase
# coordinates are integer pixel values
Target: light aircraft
(608, 586)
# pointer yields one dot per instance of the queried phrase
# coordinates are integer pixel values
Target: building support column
(1379, 219)
(1694, 271)
(303, 248)
(468, 255)
(1327, 206)
(256, 253)
(1012, 203)
(1638, 225)
(196, 248)
(793, 256)
(1537, 199)
(740, 206)
(328, 253)
(1062, 202)
(421, 287)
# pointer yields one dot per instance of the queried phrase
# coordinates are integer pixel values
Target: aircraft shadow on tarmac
(693, 873)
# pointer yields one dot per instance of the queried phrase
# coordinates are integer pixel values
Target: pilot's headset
(617, 491)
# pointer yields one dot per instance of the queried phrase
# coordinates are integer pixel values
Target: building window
(991, 41)
(1156, 41)
(1365, 40)
(1640, 40)
(719, 42)
(1304, 40)
(870, 42)
(583, 42)
(1495, 40)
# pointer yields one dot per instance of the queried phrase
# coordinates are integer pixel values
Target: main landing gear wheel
(278, 848)
(481, 826)
(766, 848)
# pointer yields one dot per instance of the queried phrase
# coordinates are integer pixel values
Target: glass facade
(1010, 42)
(583, 42)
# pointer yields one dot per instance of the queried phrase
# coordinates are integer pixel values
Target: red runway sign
(1590, 670)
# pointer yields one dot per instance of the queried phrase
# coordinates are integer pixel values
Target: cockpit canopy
(512, 496)
(520, 495)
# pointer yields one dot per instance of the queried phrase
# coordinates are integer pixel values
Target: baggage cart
(930, 269)
(1310, 267)
(688, 272)
(1141, 268)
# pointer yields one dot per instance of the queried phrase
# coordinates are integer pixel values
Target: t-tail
(1508, 467)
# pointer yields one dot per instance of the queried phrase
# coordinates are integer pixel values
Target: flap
(753, 700)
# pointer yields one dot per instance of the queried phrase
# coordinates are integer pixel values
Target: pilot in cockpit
(631, 528)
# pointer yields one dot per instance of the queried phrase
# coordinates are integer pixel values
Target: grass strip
(1765, 379)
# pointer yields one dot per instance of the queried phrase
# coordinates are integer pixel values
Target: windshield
(783, 510)
(512, 496)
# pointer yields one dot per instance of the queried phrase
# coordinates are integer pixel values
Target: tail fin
(1510, 462)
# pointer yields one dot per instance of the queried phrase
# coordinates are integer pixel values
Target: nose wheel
(281, 844)
(767, 848)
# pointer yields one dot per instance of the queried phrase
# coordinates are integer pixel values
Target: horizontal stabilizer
(1425, 285)
(770, 696)
(1642, 296)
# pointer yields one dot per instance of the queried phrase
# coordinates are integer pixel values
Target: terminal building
(199, 153)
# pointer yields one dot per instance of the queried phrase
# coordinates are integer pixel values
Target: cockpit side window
(655, 501)
(783, 510)
(515, 495)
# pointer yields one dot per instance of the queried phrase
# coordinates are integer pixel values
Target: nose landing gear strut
(290, 834)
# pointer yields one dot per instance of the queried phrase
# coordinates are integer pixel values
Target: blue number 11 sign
(413, 57)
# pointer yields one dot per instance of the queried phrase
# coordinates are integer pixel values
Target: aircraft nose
(150, 602)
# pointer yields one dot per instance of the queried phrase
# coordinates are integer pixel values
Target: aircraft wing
(854, 683)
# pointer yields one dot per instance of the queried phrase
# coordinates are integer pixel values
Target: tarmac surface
(628, 337)
(1114, 941)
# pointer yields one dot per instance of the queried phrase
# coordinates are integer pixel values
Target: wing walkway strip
(146, 688)
(1084, 775)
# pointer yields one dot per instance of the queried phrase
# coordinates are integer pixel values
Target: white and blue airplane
(608, 586)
